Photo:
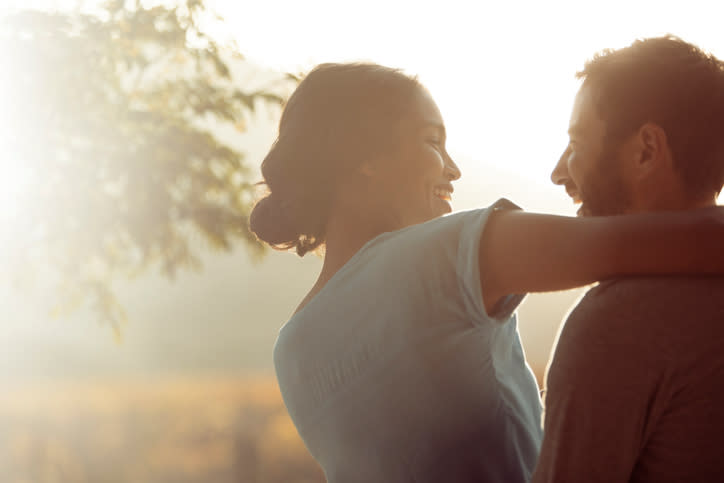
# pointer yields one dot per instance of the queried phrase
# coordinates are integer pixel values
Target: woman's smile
(443, 192)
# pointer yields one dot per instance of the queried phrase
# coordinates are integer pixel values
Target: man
(635, 389)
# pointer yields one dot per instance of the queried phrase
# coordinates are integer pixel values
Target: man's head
(647, 130)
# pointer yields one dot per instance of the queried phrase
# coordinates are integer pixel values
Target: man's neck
(674, 203)
(707, 203)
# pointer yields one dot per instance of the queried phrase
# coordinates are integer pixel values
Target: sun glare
(501, 72)
(15, 173)
(15, 181)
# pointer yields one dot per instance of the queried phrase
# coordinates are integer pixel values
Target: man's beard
(605, 192)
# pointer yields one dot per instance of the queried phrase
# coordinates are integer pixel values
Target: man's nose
(559, 175)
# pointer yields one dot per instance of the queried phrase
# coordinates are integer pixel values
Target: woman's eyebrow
(437, 125)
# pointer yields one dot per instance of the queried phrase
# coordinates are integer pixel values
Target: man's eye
(435, 142)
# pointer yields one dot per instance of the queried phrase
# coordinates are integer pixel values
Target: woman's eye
(435, 142)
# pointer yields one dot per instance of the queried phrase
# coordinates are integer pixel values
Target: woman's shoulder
(441, 227)
(470, 218)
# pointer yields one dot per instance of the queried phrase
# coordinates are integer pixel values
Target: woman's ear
(370, 168)
(367, 169)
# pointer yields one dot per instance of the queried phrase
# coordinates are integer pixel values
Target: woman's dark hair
(671, 83)
(339, 116)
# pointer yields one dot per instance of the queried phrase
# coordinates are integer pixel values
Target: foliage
(110, 118)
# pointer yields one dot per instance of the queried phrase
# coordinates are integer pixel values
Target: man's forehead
(583, 112)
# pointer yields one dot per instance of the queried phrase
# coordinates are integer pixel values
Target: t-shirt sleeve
(437, 264)
(599, 393)
(468, 268)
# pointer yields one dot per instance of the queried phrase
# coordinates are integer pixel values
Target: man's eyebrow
(575, 130)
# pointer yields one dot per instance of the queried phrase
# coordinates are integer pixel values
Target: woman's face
(415, 182)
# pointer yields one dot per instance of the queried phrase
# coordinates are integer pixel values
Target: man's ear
(653, 149)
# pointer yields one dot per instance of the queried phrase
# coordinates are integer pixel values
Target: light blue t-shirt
(394, 372)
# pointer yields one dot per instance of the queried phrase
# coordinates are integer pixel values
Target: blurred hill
(223, 319)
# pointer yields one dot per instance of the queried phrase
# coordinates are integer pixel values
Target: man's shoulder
(650, 298)
(638, 322)
(659, 290)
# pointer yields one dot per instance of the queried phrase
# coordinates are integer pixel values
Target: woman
(403, 363)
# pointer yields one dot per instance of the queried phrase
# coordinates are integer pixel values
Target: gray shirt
(394, 372)
(635, 390)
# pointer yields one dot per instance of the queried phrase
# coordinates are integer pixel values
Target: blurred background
(138, 313)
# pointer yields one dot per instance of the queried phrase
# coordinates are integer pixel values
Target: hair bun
(270, 222)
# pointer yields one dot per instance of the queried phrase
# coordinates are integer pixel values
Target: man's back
(635, 391)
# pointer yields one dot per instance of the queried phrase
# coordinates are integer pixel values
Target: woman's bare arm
(528, 252)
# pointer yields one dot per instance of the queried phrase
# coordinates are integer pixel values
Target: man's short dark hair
(675, 85)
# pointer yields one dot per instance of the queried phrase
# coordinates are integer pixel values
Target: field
(193, 429)
(154, 431)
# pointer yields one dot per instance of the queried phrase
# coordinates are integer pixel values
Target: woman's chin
(443, 207)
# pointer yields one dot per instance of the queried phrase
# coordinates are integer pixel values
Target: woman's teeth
(443, 194)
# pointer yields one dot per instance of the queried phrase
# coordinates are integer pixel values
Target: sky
(502, 74)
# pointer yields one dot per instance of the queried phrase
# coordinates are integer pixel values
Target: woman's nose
(452, 172)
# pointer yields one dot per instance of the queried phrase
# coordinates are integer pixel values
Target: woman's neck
(346, 234)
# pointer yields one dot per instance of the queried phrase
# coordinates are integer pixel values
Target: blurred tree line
(109, 117)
